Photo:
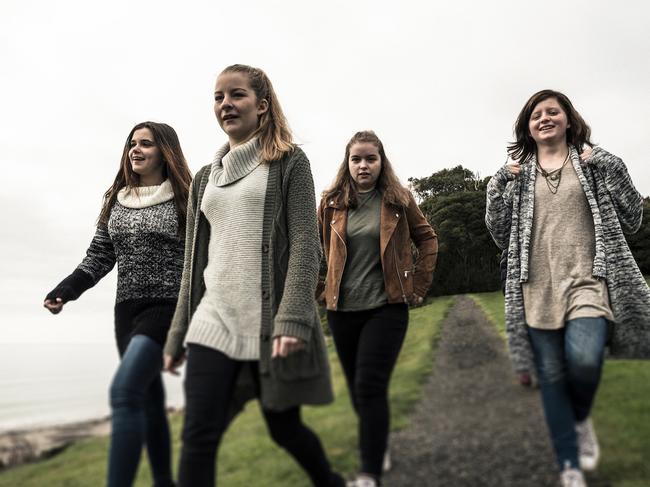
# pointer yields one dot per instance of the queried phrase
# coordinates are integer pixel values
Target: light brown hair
(174, 168)
(273, 129)
(345, 189)
(524, 146)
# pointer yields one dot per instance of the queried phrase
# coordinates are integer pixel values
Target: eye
(218, 98)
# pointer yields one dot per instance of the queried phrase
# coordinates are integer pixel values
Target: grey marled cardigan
(291, 258)
(617, 207)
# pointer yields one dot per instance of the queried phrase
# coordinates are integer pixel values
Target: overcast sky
(440, 82)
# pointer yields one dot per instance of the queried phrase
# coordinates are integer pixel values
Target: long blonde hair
(345, 189)
(273, 130)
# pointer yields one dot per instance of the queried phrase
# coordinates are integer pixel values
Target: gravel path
(475, 427)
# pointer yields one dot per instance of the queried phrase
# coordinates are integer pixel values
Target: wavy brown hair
(175, 169)
(273, 129)
(524, 146)
(345, 189)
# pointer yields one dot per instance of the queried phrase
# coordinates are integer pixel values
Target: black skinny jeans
(368, 344)
(210, 379)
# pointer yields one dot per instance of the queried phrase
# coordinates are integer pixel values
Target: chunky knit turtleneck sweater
(142, 237)
(228, 318)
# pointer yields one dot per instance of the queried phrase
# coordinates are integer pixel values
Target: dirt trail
(475, 427)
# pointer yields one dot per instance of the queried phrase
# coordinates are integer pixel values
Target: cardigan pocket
(303, 364)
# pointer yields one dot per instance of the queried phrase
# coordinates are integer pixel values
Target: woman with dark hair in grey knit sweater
(572, 283)
(140, 227)
(246, 310)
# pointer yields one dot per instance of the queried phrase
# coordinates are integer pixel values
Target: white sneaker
(588, 447)
(362, 481)
(572, 477)
(387, 463)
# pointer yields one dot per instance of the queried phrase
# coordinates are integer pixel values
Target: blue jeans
(569, 363)
(139, 416)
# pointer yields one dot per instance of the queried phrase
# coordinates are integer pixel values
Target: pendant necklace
(554, 177)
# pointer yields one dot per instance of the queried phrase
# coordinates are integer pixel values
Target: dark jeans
(210, 379)
(368, 344)
(138, 415)
(569, 363)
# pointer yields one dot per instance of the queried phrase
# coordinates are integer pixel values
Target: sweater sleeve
(426, 241)
(498, 207)
(100, 259)
(100, 256)
(295, 316)
(627, 201)
(181, 321)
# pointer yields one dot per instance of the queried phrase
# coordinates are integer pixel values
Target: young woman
(570, 274)
(140, 227)
(246, 310)
(367, 222)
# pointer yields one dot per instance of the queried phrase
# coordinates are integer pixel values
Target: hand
(283, 346)
(415, 300)
(54, 306)
(586, 154)
(170, 365)
(525, 379)
(513, 167)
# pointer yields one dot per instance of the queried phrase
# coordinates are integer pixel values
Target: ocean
(53, 383)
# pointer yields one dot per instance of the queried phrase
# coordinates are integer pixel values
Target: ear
(262, 107)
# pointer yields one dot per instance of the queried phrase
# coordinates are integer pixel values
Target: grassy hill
(248, 454)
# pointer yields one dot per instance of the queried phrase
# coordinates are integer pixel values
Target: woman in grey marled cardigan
(246, 310)
(572, 283)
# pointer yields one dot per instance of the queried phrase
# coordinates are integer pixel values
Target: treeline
(453, 200)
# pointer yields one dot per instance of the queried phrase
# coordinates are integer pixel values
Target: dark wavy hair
(524, 146)
(345, 188)
(175, 169)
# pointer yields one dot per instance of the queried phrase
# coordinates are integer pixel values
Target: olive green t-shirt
(362, 285)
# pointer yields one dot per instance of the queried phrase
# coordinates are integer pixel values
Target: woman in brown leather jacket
(367, 221)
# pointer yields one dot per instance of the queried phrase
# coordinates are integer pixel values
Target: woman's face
(548, 122)
(236, 107)
(145, 156)
(364, 165)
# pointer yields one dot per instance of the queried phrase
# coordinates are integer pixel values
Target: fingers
(170, 365)
(514, 168)
(585, 155)
(524, 379)
(54, 306)
(284, 346)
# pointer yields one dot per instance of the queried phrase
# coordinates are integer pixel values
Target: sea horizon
(52, 384)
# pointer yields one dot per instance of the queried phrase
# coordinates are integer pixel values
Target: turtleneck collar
(145, 196)
(229, 166)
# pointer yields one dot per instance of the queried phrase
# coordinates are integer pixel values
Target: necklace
(553, 178)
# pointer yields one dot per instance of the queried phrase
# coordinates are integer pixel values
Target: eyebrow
(234, 89)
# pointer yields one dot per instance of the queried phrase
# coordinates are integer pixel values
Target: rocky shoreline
(27, 445)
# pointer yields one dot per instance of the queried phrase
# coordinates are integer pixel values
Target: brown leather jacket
(402, 279)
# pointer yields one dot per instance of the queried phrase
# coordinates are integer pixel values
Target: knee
(123, 396)
(585, 366)
(370, 392)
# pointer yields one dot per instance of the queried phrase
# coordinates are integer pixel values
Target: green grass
(621, 413)
(247, 455)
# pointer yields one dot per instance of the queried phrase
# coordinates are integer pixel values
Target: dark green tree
(453, 200)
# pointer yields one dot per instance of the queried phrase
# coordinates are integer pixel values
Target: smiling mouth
(546, 127)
